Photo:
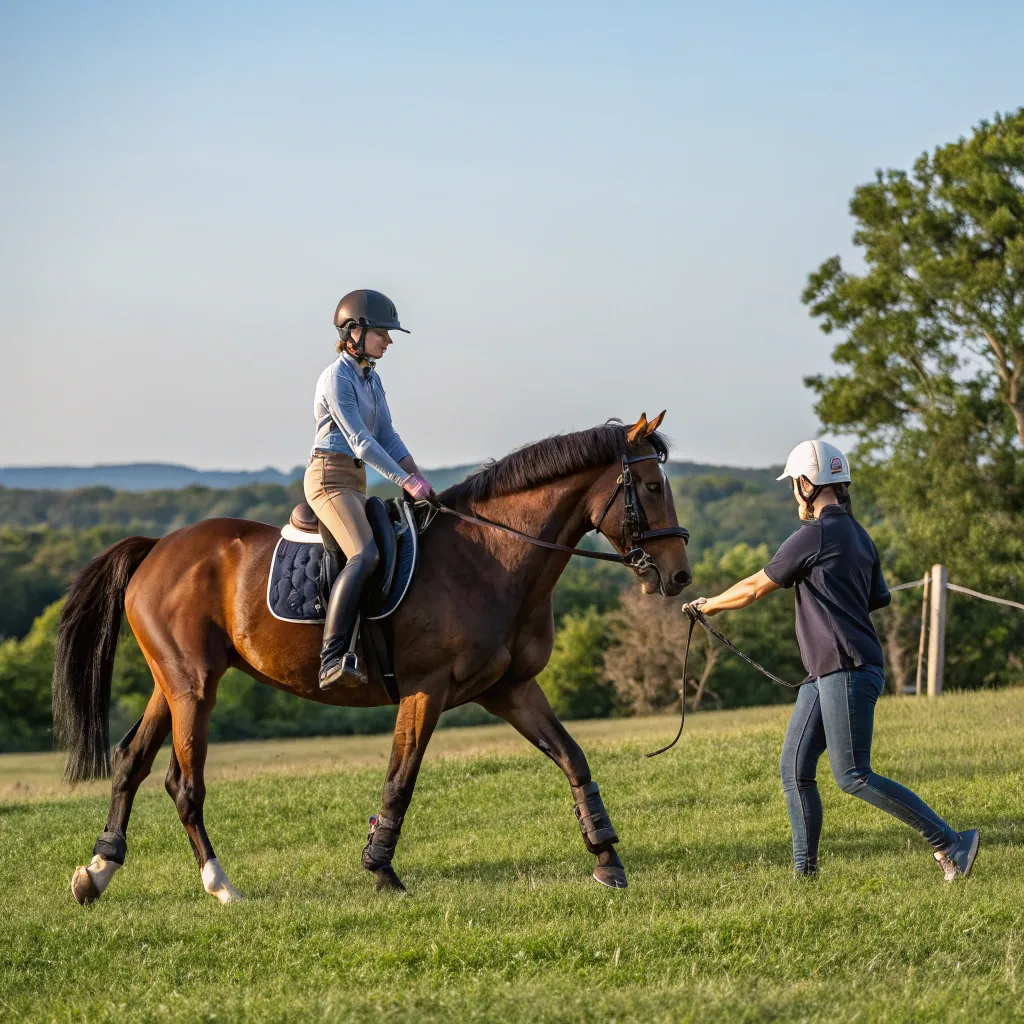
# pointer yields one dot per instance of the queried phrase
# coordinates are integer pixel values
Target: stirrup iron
(345, 671)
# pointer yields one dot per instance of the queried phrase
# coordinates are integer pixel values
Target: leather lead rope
(682, 709)
(695, 615)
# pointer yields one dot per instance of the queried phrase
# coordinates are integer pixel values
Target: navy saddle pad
(297, 589)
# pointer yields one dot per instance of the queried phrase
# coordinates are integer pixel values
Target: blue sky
(581, 210)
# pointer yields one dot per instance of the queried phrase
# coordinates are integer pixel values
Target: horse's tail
(90, 622)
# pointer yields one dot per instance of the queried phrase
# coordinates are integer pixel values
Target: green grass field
(502, 921)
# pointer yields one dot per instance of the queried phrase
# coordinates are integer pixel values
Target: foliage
(573, 680)
(151, 512)
(589, 585)
(928, 377)
(26, 667)
(724, 508)
(504, 922)
(36, 565)
(646, 662)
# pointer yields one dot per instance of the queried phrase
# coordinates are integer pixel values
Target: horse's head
(637, 514)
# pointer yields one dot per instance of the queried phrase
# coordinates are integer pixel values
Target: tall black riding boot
(337, 664)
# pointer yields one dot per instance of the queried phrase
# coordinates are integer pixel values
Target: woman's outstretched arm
(739, 595)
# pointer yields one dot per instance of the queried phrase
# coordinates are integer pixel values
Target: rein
(635, 527)
(604, 556)
(696, 615)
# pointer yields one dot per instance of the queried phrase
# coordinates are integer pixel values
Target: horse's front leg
(525, 707)
(417, 715)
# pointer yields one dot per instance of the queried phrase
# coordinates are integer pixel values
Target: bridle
(635, 525)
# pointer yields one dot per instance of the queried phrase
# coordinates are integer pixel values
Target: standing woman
(835, 568)
(353, 427)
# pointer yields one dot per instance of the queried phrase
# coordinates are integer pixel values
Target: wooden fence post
(937, 630)
(918, 689)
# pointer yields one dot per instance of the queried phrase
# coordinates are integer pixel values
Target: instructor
(835, 568)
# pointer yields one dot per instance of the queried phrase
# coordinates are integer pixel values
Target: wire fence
(960, 590)
(933, 623)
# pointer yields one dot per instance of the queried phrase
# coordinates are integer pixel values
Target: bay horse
(476, 625)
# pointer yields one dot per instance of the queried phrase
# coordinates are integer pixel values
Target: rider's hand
(696, 605)
(418, 487)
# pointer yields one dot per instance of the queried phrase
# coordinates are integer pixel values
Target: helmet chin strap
(360, 345)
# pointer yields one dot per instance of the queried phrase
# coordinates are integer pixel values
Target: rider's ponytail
(843, 496)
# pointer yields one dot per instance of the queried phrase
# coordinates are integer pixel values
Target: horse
(476, 625)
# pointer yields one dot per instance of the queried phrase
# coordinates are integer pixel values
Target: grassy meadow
(502, 921)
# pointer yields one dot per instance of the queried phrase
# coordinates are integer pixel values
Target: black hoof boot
(385, 879)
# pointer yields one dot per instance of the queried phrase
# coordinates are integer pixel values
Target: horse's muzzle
(675, 584)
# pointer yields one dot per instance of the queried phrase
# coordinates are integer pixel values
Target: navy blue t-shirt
(835, 567)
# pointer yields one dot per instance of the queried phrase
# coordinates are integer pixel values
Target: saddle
(307, 560)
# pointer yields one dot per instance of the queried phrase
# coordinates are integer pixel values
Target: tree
(939, 312)
(930, 375)
(645, 661)
(26, 667)
(573, 679)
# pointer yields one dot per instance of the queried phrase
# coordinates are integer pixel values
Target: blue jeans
(836, 712)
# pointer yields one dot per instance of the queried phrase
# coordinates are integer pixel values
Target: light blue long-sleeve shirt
(352, 418)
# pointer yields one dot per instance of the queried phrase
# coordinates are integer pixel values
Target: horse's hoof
(386, 880)
(613, 877)
(83, 888)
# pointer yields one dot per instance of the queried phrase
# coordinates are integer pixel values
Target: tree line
(591, 602)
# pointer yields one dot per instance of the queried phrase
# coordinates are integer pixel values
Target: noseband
(635, 525)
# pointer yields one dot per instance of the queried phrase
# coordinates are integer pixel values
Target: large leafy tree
(935, 325)
(929, 372)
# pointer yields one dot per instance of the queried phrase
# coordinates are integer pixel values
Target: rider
(835, 568)
(353, 427)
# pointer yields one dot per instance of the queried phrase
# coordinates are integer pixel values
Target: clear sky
(581, 210)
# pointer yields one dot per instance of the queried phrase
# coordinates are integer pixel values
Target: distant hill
(137, 476)
(164, 476)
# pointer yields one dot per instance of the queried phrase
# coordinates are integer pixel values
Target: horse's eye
(654, 488)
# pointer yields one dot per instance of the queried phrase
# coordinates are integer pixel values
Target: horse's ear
(636, 433)
(655, 423)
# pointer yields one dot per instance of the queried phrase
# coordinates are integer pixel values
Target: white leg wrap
(216, 883)
(101, 871)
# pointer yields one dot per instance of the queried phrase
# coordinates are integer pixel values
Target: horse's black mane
(556, 456)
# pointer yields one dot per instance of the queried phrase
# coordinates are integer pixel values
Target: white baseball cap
(822, 463)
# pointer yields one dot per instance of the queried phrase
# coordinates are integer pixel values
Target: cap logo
(836, 464)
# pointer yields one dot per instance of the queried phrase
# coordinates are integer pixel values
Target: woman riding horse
(353, 427)
(835, 568)
(476, 625)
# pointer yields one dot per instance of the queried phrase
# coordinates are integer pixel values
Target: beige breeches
(336, 491)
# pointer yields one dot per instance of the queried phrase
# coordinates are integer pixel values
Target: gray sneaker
(960, 858)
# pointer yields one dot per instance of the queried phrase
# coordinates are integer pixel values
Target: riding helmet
(367, 308)
(820, 462)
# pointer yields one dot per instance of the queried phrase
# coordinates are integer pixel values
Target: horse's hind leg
(132, 762)
(187, 788)
(526, 709)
